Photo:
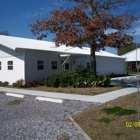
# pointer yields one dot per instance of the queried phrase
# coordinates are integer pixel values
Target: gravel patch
(39, 120)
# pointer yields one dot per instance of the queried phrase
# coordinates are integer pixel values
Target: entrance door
(67, 66)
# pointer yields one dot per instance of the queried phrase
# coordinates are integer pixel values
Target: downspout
(24, 65)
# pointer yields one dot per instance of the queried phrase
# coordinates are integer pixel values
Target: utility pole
(138, 94)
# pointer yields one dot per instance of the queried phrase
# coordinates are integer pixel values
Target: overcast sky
(16, 15)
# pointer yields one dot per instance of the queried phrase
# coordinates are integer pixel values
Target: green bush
(19, 83)
(1, 83)
(52, 80)
(79, 77)
(5, 83)
(66, 79)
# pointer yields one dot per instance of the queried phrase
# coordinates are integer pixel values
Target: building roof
(16, 43)
(131, 56)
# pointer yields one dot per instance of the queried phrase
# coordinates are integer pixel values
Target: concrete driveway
(126, 81)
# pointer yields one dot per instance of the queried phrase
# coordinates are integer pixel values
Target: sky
(17, 15)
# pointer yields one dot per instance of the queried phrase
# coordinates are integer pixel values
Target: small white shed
(34, 59)
(130, 59)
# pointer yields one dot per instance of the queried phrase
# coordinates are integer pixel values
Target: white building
(130, 59)
(34, 59)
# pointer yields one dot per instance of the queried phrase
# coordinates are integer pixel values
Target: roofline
(69, 53)
(130, 51)
(7, 46)
(50, 51)
(111, 57)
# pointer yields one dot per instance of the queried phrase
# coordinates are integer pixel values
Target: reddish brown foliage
(76, 27)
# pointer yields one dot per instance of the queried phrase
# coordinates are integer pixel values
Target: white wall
(106, 65)
(18, 65)
(31, 57)
(109, 65)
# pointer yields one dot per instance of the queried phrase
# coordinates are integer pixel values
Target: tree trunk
(93, 60)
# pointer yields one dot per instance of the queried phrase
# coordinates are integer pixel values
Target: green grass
(105, 120)
(94, 93)
(131, 73)
(118, 134)
(15, 102)
(119, 111)
(99, 125)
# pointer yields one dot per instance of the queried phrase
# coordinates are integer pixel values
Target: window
(10, 65)
(67, 66)
(40, 65)
(0, 65)
(54, 65)
(88, 65)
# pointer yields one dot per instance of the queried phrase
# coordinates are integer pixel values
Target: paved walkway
(125, 77)
(101, 98)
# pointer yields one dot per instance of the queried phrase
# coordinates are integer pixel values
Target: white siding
(31, 57)
(18, 65)
(106, 65)
(109, 65)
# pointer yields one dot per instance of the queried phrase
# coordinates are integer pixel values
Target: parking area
(125, 81)
(39, 120)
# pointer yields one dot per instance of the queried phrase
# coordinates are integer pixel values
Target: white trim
(65, 55)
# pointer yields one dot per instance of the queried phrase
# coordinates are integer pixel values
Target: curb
(79, 129)
(14, 95)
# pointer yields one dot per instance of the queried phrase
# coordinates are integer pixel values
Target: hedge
(79, 77)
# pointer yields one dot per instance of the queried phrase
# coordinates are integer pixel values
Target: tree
(4, 33)
(86, 25)
(127, 48)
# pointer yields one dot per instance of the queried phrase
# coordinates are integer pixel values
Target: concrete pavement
(125, 77)
(126, 81)
(101, 98)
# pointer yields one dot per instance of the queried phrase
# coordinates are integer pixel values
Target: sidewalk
(101, 98)
(126, 77)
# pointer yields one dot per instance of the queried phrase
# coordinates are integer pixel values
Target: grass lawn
(131, 73)
(108, 121)
(82, 91)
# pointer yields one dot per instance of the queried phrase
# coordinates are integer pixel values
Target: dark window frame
(10, 65)
(54, 65)
(40, 65)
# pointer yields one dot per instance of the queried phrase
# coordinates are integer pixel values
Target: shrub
(52, 80)
(5, 83)
(37, 82)
(30, 83)
(19, 83)
(79, 77)
(1, 83)
(66, 79)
